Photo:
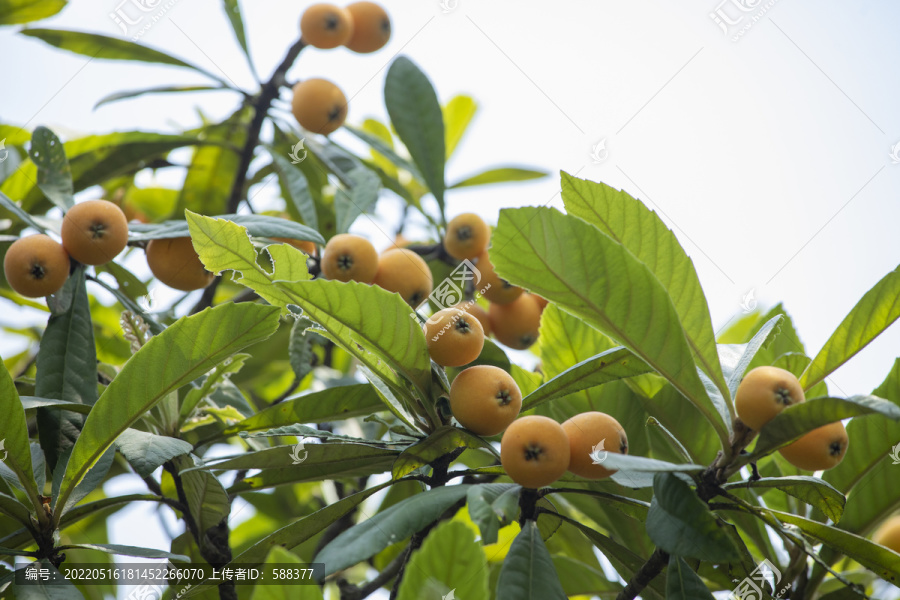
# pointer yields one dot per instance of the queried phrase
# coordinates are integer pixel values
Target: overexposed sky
(768, 156)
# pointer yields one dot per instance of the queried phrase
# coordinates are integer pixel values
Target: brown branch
(653, 567)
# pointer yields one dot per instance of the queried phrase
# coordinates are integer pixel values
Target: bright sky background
(768, 156)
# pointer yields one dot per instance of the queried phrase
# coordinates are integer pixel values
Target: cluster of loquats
(764, 393)
(93, 232)
(318, 104)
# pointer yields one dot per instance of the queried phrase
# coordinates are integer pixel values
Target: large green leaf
(330, 404)
(680, 523)
(294, 181)
(66, 367)
(213, 169)
(372, 324)
(146, 452)
(585, 272)
(682, 583)
(616, 363)
(800, 418)
(306, 462)
(872, 439)
(630, 223)
(499, 175)
(165, 89)
(884, 562)
(185, 350)
(528, 572)
(874, 313)
(449, 559)
(387, 527)
(13, 12)
(14, 509)
(108, 48)
(811, 490)
(129, 551)
(54, 173)
(208, 502)
(458, 113)
(416, 115)
(14, 446)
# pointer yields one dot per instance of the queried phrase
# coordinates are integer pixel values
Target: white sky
(769, 156)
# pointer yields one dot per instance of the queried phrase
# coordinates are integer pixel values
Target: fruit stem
(528, 509)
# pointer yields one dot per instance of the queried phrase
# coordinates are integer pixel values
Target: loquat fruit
(326, 26)
(763, 393)
(516, 324)
(820, 449)
(175, 263)
(479, 313)
(454, 337)
(587, 431)
(94, 232)
(467, 236)
(319, 105)
(371, 27)
(492, 286)
(406, 273)
(534, 451)
(888, 534)
(349, 257)
(36, 265)
(485, 399)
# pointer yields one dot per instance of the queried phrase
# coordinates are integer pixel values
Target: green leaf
(500, 175)
(637, 471)
(796, 420)
(54, 174)
(196, 394)
(372, 324)
(883, 562)
(440, 442)
(165, 89)
(362, 196)
(874, 313)
(873, 439)
(479, 502)
(207, 500)
(108, 48)
(616, 363)
(394, 524)
(630, 223)
(528, 572)
(294, 181)
(679, 522)
(278, 556)
(294, 534)
(130, 551)
(449, 559)
(735, 358)
(573, 264)
(682, 583)
(14, 445)
(330, 404)
(580, 579)
(23, 216)
(129, 284)
(300, 349)
(14, 509)
(66, 367)
(383, 147)
(233, 12)
(147, 451)
(94, 477)
(416, 115)
(458, 114)
(811, 490)
(213, 169)
(322, 462)
(185, 350)
(256, 226)
(13, 12)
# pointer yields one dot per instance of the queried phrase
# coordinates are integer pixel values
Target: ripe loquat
(36, 265)
(467, 236)
(479, 313)
(371, 27)
(588, 430)
(454, 337)
(175, 263)
(485, 399)
(516, 324)
(492, 286)
(763, 393)
(534, 451)
(349, 257)
(820, 449)
(326, 26)
(319, 105)
(406, 273)
(888, 534)
(94, 232)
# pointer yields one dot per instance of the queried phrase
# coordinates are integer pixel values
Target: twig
(645, 575)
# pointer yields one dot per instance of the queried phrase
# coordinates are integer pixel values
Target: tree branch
(645, 575)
